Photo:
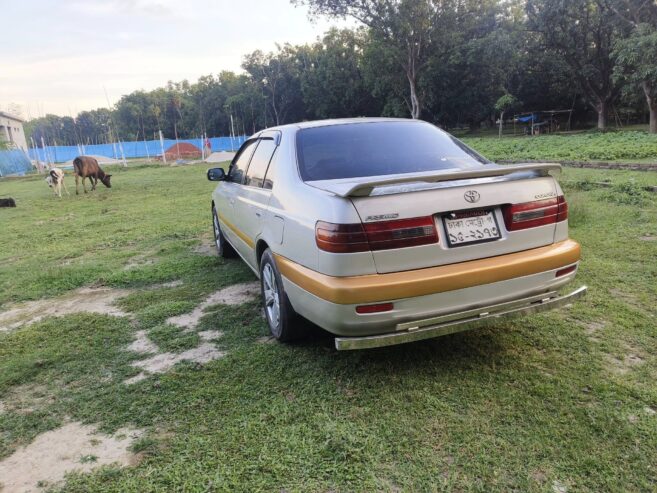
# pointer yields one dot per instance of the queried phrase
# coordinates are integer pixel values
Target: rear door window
(241, 161)
(260, 162)
(379, 148)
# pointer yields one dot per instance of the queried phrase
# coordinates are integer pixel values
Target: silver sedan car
(384, 231)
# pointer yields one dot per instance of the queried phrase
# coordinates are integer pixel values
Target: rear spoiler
(362, 187)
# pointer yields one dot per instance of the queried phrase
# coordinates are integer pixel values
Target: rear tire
(224, 249)
(284, 323)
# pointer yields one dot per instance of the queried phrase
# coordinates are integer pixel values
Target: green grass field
(629, 146)
(559, 401)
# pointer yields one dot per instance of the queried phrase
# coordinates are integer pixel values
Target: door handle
(232, 201)
(258, 213)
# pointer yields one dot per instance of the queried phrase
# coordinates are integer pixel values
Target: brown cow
(87, 167)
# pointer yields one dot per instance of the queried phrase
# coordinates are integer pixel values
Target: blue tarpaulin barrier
(14, 162)
(152, 148)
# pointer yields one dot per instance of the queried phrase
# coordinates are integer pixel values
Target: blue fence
(14, 162)
(152, 148)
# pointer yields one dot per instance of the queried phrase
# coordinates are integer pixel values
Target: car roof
(339, 121)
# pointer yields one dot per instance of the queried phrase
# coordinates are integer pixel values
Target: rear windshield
(379, 148)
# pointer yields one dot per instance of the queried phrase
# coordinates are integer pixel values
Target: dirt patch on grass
(621, 366)
(206, 248)
(72, 447)
(648, 238)
(142, 344)
(232, 295)
(170, 284)
(592, 327)
(25, 399)
(210, 335)
(91, 300)
(163, 362)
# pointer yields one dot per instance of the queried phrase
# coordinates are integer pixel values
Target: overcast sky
(57, 55)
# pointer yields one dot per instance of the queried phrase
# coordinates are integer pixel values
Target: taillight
(341, 238)
(532, 214)
(381, 235)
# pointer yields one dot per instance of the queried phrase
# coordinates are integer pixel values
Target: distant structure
(11, 130)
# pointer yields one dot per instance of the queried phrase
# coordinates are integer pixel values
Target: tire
(224, 249)
(284, 323)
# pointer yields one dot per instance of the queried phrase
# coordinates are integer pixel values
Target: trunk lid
(446, 201)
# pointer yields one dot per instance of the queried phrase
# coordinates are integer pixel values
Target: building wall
(11, 130)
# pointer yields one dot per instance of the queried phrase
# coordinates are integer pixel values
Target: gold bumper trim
(373, 288)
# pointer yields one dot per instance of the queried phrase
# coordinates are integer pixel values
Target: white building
(11, 130)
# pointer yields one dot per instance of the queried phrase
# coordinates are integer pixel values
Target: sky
(60, 56)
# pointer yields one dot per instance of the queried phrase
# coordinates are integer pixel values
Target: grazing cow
(55, 180)
(87, 167)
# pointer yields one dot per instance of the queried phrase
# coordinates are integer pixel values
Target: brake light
(533, 214)
(381, 235)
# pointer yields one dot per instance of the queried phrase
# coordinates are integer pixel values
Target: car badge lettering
(382, 217)
(471, 196)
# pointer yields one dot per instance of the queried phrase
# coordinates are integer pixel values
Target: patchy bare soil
(210, 335)
(206, 248)
(27, 398)
(622, 366)
(92, 300)
(163, 362)
(142, 344)
(232, 295)
(72, 447)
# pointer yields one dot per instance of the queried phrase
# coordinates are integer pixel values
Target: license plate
(467, 227)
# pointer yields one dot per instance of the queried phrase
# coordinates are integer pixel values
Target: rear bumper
(374, 288)
(331, 302)
(461, 321)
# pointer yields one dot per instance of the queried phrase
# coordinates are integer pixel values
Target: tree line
(457, 63)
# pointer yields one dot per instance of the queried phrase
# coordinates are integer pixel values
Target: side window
(260, 161)
(241, 161)
(269, 183)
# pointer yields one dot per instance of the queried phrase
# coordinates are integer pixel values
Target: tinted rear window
(381, 148)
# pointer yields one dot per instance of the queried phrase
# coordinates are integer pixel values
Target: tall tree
(277, 76)
(636, 59)
(331, 76)
(636, 56)
(410, 29)
(583, 32)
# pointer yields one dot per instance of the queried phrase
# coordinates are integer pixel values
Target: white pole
(164, 156)
(232, 133)
(36, 155)
(45, 153)
(125, 163)
(148, 154)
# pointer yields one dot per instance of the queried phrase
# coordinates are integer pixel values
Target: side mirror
(216, 174)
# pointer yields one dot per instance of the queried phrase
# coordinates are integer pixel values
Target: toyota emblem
(471, 196)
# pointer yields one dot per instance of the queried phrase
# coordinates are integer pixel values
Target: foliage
(507, 102)
(635, 59)
(583, 33)
(628, 193)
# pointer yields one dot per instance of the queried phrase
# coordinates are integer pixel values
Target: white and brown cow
(55, 180)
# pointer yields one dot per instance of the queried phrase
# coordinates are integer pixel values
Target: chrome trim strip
(418, 324)
(460, 321)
